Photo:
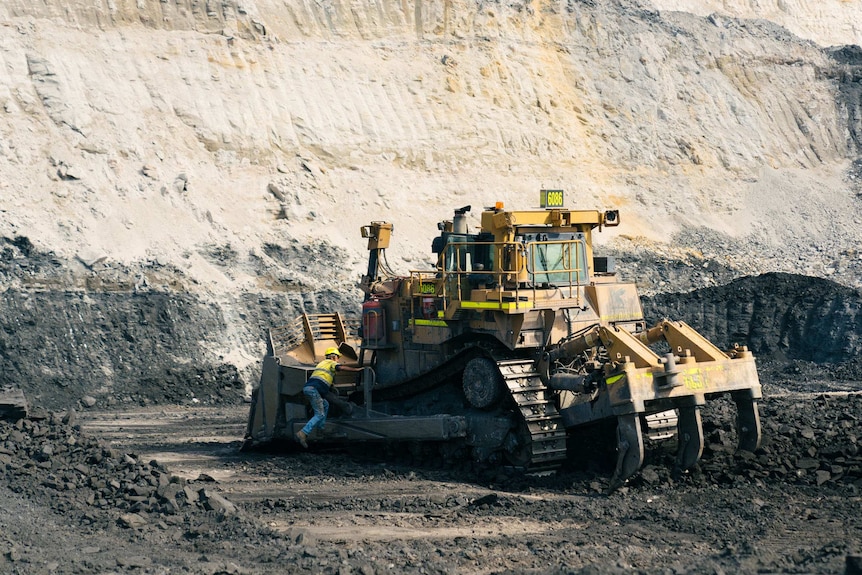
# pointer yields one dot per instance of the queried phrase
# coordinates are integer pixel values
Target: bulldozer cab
(509, 259)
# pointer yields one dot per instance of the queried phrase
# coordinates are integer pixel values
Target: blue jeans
(320, 407)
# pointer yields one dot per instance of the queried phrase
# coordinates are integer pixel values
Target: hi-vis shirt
(325, 370)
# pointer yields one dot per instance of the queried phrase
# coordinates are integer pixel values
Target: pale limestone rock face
(154, 130)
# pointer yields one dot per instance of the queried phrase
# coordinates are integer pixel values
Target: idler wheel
(482, 382)
(518, 447)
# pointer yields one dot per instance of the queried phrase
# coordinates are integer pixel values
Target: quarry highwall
(243, 123)
(218, 158)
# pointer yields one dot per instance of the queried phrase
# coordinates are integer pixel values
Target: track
(545, 448)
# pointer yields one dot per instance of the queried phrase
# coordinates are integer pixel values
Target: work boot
(301, 436)
(348, 409)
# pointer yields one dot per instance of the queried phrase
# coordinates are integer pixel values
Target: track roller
(482, 382)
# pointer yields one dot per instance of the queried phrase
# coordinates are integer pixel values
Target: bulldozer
(514, 344)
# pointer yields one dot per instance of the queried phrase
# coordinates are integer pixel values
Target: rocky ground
(152, 460)
(166, 490)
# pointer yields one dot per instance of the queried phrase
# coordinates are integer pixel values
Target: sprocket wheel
(482, 382)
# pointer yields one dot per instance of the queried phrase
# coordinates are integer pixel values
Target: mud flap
(747, 421)
(690, 436)
(630, 449)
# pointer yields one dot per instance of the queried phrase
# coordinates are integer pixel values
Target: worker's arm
(348, 368)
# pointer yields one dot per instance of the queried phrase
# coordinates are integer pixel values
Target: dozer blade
(747, 421)
(690, 438)
(630, 449)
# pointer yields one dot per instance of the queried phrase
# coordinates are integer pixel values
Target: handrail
(520, 257)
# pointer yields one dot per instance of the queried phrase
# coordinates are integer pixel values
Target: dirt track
(795, 507)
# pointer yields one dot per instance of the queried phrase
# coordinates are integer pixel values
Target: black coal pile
(807, 441)
(119, 348)
(778, 316)
(86, 497)
(133, 335)
(77, 473)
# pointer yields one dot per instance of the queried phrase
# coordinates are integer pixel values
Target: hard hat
(332, 351)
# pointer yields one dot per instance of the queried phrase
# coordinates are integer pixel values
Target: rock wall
(221, 154)
(242, 124)
(779, 316)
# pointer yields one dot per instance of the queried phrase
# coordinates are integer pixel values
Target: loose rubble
(807, 441)
(806, 476)
(78, 473)
(101, 494)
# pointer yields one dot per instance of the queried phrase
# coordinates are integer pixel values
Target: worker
(321, 385)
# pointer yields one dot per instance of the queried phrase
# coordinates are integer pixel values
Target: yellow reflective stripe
(496, 305)
(615, 378)
(431, 322)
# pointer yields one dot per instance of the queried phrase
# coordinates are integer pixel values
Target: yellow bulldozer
(515, 343)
